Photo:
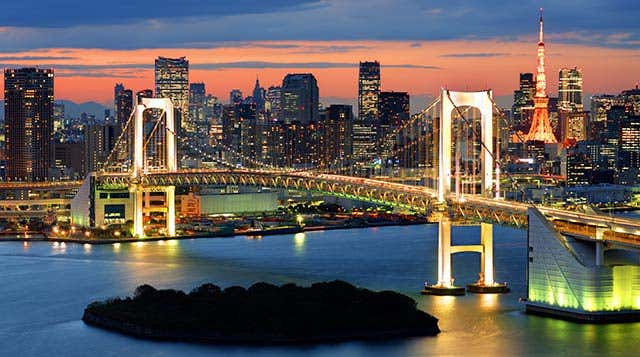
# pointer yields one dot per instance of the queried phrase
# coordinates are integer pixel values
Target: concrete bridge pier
(138, 216)
(445, 284)
(171, 210)
(141, 203)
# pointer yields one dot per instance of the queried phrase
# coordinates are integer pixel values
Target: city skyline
(474, 56)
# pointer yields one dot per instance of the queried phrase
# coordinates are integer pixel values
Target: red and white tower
(540, 126)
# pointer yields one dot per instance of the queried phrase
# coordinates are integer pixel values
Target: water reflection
(488, 302)
(299, 240)
(396, 258)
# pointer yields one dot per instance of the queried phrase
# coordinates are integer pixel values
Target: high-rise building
(523, 101)
(573, 125)
(629, 150)
(59, 123)
(541, 129)
(570, 90)
(300, 98)
(172, 81)
(393, 111)
(145, 93)
(259, 96)
(69, 159)
(365, 127)
(123, 104)
(368, 90)
(231, 128)
(197, 112)
(273, 103)
(335, 136)
(28, 108)
(235, 96)
(99, 141)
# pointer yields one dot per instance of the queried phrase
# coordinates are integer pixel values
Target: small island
(263, 314)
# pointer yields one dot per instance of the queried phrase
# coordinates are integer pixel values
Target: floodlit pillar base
(443, 290)
(496, 288)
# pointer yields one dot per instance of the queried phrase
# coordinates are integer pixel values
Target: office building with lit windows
(570, 90)
(172, 81)
(300, 98)
(365, 127)
(28, 108)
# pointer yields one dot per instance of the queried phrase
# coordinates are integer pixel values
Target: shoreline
(41, 237)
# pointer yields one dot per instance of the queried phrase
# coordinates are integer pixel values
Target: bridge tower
(450, 101)
(445, 284)
(140, 165)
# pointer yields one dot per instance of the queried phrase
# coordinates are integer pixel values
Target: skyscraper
(172, 81)
(570, 89)
(145, 93)
(123, 104)
(273, 103)
(300, 98)
(197, 115)
(28, 108)
(59, 123)
(335, 135)
(540, 126)
(99, 141)
(368, 90)
(365, 127)
(259, 96)
(523, 100)
(235, 96)
(629, 150)
(393, 111)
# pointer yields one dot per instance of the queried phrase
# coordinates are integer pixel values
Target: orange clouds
(89, 74)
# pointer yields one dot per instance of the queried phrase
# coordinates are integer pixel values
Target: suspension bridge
(450, 151)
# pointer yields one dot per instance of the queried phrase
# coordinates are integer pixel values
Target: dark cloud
(129, 24)
(67, 13)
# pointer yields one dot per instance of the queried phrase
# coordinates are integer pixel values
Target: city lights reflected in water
(139, 244)
(390, 258)
(87, 247)
(299, 240)
(116, 247)
(488, 301)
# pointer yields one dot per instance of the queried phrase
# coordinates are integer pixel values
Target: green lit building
(580, 279)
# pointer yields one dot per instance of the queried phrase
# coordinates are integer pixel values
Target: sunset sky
(422, 45)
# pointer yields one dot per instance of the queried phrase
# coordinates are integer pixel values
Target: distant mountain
(73, 109)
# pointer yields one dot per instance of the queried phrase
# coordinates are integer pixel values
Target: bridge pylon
(450, 101)
(445, 284)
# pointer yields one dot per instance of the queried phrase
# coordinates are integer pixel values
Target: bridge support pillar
(599, 253)
(486, 239)
(138, 217)
(486, 282)
(171, 210)
(600, 245)
(444, 253)
(444, 286)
